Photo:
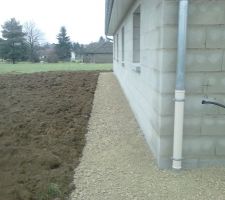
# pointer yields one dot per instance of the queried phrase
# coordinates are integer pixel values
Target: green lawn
(38, 67)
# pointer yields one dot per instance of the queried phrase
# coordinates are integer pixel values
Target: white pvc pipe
(178, 128)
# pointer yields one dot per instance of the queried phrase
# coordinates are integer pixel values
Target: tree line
(22, 43)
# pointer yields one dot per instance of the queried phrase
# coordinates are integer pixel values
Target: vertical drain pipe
(180, 90)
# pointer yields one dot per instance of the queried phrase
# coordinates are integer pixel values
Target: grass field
(38, 67)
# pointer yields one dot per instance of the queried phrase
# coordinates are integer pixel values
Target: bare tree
(33, 38)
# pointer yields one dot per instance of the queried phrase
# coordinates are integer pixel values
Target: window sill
(136, 67)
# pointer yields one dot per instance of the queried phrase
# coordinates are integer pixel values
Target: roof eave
(115, 11)
(108, 12)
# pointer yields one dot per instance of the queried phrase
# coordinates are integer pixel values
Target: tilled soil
(43, 121)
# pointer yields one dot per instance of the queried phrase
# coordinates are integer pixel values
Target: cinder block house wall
(204, 125)
(142, 89)
(150, 91)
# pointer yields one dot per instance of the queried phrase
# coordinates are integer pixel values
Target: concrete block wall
(142, 89)
(151, 92)
(204, 125)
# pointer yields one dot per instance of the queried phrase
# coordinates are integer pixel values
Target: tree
(77, 48)
(101, 40)
(48, 53)
(13, 46)
(33, 37)
(63, 48)
(1, 47)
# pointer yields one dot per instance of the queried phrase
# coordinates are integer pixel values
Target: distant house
(161, 49)
(98, 52)
(73, 56)
(47, 53)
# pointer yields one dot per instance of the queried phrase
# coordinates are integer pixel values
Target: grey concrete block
(155, 80)
(166, 146)
(209, 12)
(154, 39)
(169, 37)
(196, 37)
(223, 65)
(166, 125)
(153, 139)
(209, 110)
(192, 125)
(221, 99)
(189, 163)
(213, 125)
(167, 82)
(215, 36)
(193, 105)
(150, 58)
(204, 60)
(166, 106)
(164, 163)
(212, 162)
(198, 146)
(197, 60)
(194, 83)
(152, 14)
(220, 145)
(215, 83)
(170, 12)
(168, 60)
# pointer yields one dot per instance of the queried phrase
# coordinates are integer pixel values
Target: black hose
(214, 103)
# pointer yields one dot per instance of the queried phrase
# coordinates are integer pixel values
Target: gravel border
(117, 163)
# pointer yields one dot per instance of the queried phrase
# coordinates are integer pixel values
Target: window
(117, 47)
(122, 33)
(114, 48)
(136, 35)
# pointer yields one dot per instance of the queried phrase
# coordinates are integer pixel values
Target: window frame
(117, 47)
(137, 35)
(123, 43)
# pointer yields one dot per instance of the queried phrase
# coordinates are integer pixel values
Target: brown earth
(43, 121)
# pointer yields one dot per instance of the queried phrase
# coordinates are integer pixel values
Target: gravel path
(117, 163)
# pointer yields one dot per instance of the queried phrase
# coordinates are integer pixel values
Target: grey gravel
(118, 165)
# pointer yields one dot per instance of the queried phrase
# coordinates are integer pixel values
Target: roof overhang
(115, 11)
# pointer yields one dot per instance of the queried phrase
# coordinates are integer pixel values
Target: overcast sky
(83, 19)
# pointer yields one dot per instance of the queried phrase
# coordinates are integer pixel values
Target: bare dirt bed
(43, 121)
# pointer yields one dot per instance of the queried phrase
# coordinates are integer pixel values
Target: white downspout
(180, 90)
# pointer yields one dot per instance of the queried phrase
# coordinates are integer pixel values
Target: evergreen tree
(1, 48)
(64, 45)
(77, 48)
(13, 43)
(101, 40)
